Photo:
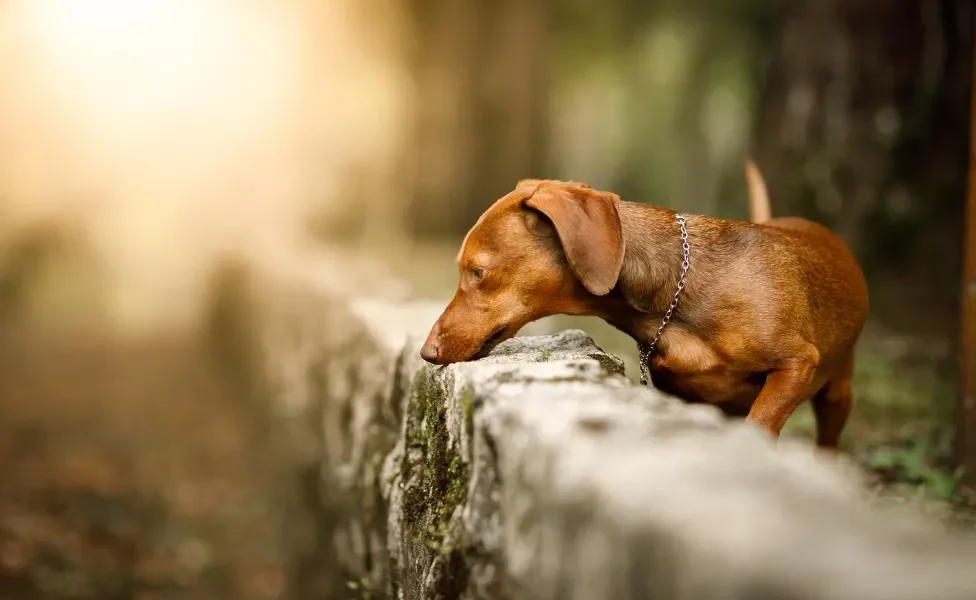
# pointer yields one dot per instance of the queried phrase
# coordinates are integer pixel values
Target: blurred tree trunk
(481, 94)
(859, 129)
(966, 413)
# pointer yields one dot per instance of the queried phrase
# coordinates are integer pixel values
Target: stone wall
(541, 472)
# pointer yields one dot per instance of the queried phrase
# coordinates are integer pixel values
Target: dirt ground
(130, 469)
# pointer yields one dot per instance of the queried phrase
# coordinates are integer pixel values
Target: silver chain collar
(647, 350)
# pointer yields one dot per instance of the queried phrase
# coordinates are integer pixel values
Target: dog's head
(537, 251)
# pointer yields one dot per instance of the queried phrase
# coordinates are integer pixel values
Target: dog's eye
(478, 273)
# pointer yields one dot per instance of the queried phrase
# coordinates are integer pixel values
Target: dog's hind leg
(832, 406)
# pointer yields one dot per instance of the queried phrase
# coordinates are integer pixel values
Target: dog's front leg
(786, 387)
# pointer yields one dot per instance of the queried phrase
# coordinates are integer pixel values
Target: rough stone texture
(335, 379)
(540, 472)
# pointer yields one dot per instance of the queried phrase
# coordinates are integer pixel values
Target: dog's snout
(432, 350)
(429, 352)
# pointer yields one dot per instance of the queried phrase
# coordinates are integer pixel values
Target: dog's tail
(759, 210)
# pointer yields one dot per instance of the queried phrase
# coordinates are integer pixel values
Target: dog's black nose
(429, 352)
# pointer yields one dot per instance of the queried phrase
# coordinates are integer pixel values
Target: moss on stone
(436, 479)
(610, 363)
(467, 406)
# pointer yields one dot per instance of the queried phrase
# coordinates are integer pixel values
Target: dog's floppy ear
(588, 226)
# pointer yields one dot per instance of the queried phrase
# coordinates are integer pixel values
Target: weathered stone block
(541, 473)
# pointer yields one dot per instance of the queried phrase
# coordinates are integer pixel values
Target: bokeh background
(145, 145)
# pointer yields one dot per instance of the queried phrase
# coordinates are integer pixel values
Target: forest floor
(130, 469)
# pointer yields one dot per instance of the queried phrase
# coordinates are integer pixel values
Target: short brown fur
(769, 316)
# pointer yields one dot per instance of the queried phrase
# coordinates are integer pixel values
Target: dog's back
(825, 261)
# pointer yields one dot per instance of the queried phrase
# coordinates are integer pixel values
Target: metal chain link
(646, 350)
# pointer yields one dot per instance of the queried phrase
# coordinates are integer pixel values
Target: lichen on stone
(435, 479)
(467, 405)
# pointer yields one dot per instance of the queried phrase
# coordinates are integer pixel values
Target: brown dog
(766, 316)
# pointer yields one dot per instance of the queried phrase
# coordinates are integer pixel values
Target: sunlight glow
(170, 115)
(173, 132)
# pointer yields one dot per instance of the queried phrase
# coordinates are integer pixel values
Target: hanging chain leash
(646, 350)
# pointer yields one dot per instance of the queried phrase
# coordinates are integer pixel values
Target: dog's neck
(652, 269)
